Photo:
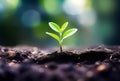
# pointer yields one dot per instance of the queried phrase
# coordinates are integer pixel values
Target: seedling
(62, 34)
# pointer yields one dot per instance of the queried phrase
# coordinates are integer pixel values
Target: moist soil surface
(25, 63)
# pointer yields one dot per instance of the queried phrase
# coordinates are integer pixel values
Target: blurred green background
(26, 21)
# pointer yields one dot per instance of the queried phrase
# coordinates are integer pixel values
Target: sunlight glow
(74, 7)
(12, 3)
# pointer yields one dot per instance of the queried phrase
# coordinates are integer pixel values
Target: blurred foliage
(26, 21)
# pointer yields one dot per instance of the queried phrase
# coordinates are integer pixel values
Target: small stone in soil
(89, 74)
(11, 53)
(11, 63)
(101, 67)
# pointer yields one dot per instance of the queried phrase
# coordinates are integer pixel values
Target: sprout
(62, 34)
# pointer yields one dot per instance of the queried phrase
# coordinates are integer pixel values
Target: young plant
(62, 34)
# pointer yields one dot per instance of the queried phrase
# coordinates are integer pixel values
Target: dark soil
(22, 63)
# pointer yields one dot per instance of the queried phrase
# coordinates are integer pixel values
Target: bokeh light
(52, 7)
(13, 4)
(105, 7)
(87, 18)
(1, 7)
(73, 7)
(31, 18)
(10, 4)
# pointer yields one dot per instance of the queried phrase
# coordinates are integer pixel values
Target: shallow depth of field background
(26, 21)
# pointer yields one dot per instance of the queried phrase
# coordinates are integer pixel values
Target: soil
(25, 63)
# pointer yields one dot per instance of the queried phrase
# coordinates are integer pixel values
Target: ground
(25, 63)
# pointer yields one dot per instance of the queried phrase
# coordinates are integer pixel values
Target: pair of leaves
(65, 35)
(56, 28)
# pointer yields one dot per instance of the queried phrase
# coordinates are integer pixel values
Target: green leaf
(54, 26)
(64, 26)
(69, 33)
(53, 35)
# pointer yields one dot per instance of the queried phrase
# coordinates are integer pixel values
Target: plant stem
(60, 42)
(60, 49)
